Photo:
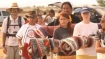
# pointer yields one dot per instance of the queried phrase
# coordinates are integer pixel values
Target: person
(44, 14)
(77, 12)
(66, 7)
(10, 27)
(49, 17)
(85, 28)
(40, 20)
(24, 34)
(63, 31)
(100, 42)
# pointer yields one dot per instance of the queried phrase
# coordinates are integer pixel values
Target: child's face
(63, 21)
(102, 23)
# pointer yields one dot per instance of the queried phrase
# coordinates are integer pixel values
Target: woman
(85, 28)
(66, 7)
(25, 34)
(63, 31)
(100, 43)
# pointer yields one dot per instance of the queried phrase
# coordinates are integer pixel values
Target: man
(10, 27)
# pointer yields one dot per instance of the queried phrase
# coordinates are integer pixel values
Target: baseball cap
(85, 9)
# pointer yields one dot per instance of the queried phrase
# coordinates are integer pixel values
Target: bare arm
(99, 49)
(3, 38)
(45, 19)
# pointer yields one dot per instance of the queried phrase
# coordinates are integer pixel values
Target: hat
(14, 5)
(85, 9)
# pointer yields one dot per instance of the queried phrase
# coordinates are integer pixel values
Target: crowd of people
(17, 32)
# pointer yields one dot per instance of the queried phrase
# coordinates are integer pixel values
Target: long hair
(68, 3)
(69, 28)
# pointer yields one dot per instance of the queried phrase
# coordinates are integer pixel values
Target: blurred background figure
(77, 12)
(49, 17)
(40, 20)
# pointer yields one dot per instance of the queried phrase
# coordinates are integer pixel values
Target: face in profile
(63, 20)
(102, 23)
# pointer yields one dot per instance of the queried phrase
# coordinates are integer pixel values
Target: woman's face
(66, 8)
(85, 15)
(102, 23)
(63, 21)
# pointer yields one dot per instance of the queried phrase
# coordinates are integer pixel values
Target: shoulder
(95, 25)
(38, 26)
(79, 24)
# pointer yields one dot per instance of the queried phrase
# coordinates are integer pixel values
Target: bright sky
(23, 3)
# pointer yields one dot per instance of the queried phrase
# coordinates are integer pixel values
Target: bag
(9, 24)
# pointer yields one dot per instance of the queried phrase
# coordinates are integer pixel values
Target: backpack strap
(8, 24)
(19, 21)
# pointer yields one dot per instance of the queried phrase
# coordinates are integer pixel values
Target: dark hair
(69, 28)
(44, 13)
(52, 11)
(68, 3)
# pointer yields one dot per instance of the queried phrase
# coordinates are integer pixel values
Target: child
(63, 31)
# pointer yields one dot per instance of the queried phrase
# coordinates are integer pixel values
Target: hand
(55, 50)
(4, 50)
(20, 47)
(48, 14)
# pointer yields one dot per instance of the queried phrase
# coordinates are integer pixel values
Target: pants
(12, 52)
(66, 57)
(85, 57)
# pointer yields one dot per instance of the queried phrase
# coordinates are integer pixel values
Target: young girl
(100, 43)
(85, 28)
(63, 31)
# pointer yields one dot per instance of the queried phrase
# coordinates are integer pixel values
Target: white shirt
(11, 41)
(83, 29)
(25, 32)
(50, 19)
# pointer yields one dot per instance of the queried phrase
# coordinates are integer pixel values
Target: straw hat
(14, 5)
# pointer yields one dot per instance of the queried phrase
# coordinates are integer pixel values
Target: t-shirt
(50, 19)
(26, 32)
(101, 36)
(83, 29)
(61, 33)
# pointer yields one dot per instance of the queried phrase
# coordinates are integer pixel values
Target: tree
(101, 2)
